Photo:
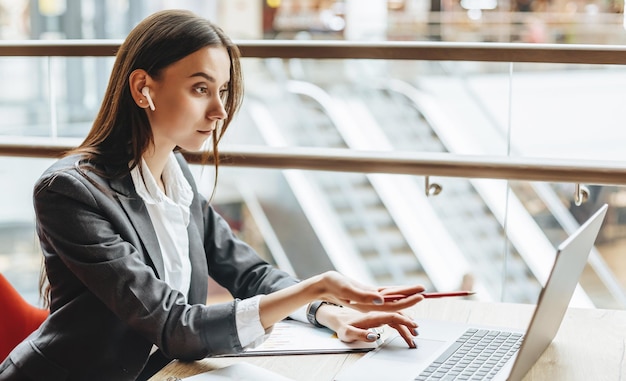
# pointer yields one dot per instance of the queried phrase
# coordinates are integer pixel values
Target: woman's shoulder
(65, 165)
(74, 168)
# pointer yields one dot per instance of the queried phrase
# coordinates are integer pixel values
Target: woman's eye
(202, 90)
(223, 92)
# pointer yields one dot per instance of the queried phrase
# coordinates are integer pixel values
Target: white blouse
(169, 213)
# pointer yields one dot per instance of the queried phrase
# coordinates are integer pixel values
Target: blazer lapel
(137, 213)
(199, 269)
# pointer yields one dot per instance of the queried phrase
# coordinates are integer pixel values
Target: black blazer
(108, 302)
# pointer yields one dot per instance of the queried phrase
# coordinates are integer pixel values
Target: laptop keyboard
(477, 355)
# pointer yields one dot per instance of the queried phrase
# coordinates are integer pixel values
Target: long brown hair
(121, 133)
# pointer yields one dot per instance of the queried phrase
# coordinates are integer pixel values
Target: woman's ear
(138, 80)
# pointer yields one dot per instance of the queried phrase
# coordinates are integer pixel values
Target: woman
(129, 243)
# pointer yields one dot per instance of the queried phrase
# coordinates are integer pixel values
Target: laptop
(460, 351)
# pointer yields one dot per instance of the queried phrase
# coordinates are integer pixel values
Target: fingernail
(371, 336)
(378, 301)
(414, 344)
(415, 333)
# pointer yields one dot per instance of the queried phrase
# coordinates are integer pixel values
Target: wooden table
(590, 345)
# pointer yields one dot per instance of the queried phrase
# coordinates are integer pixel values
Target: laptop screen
(554, 299)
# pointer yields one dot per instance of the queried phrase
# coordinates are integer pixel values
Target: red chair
(18, 318)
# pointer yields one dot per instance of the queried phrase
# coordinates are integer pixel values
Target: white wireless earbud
(146, 93)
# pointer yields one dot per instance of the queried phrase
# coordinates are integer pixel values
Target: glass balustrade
(493, 235)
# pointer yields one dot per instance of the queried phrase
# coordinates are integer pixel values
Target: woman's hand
(351, 325)
(338, 289)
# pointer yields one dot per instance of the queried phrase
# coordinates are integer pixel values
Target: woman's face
(188, 99)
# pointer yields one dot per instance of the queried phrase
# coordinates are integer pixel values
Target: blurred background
(538, 21)
(494, 236)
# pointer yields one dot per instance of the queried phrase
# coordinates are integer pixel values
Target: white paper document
(240, 372)
(291, 337)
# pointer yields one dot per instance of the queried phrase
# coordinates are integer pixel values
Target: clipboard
(292, 337)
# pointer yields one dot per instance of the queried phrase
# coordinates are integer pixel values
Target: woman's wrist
(311, 312)
(279, 304)
(327, 315)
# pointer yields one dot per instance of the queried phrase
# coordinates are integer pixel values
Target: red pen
(428, 295)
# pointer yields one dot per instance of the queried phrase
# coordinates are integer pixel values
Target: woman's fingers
(351, 334)
(365, 327)
(342, 290)
(407, 333)
(401, 290)
(390, 305)
(377, 319)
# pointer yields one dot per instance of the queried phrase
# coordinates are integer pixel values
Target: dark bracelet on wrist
(312, 310)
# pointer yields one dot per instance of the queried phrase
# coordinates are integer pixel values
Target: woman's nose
(216, 110)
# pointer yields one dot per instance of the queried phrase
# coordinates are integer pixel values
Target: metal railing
(395, 162)
(390, 50)
(428, 164)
